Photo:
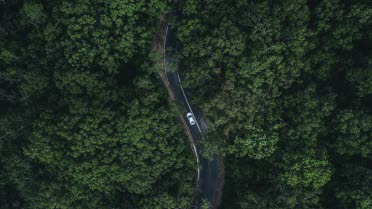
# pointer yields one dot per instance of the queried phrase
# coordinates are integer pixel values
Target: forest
(287, 87)
(85, 119)
(86, 122)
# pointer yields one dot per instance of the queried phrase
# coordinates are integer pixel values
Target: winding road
(208, 168)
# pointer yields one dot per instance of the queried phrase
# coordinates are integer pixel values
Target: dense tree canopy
(286, 87)
(104, 33)
(353, 133)
(85, 120)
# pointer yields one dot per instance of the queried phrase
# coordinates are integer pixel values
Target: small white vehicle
(191, 118)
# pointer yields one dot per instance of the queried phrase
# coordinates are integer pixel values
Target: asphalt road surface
(208, 179)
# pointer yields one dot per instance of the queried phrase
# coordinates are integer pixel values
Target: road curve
(208, 173)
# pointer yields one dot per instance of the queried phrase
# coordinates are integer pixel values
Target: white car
(191, 118)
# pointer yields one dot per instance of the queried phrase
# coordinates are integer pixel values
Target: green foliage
(105, 34)
(275, 47)
(86, 123)
(33, 12)
(205, 204)
(353, 133)
(85, 120)
(305, 169)
(351, 185)
(340, 23)
(242, 126)
(286, 83)
(305, 117)
(358, 73)
(213, 54)
(254, 183)
(361, 81)
(103, 153)
(160, 202)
